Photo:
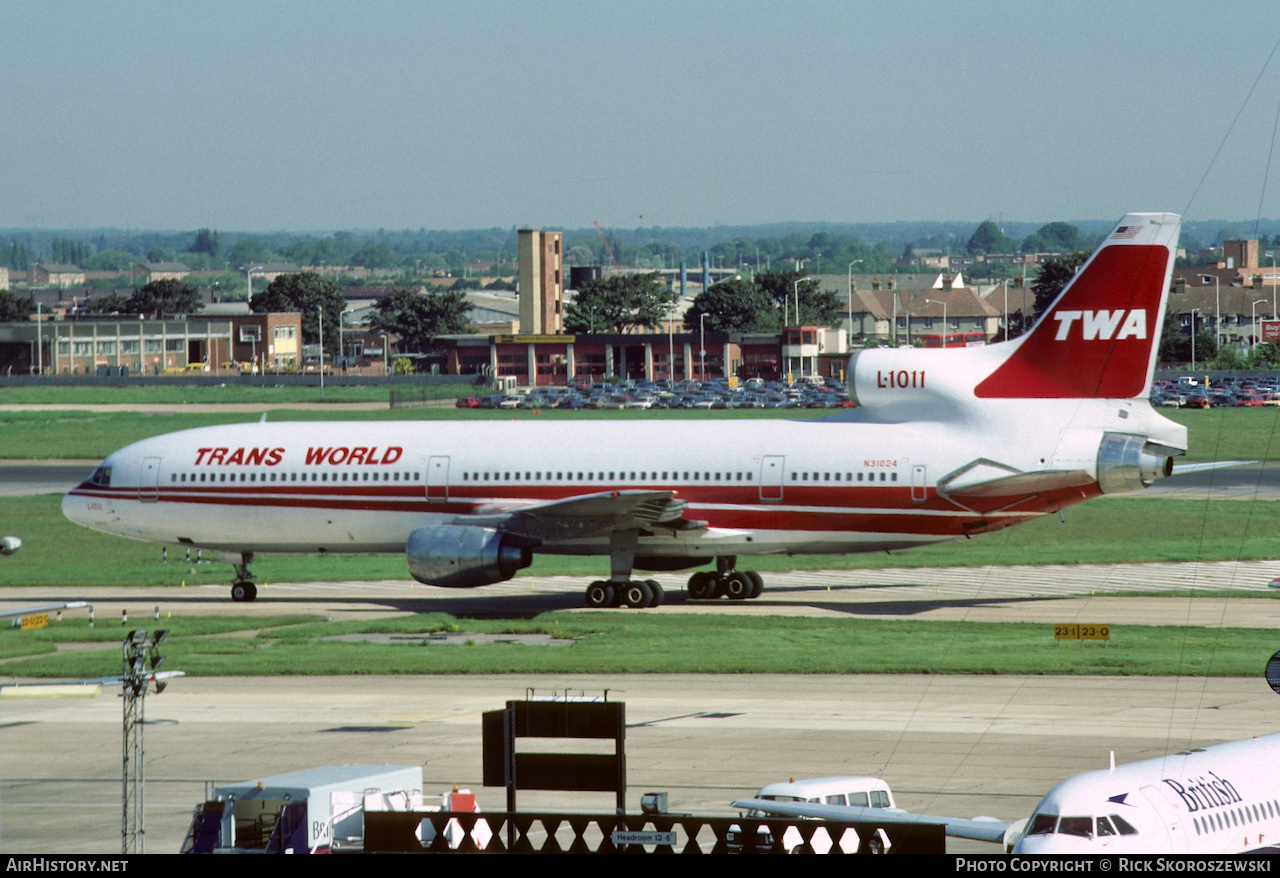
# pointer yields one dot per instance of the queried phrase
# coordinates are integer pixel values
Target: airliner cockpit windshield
(101, 476)
(1081, 827)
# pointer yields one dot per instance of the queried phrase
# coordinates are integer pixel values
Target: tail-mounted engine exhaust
(1130, 463)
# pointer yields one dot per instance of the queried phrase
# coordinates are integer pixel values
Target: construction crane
(608, 249)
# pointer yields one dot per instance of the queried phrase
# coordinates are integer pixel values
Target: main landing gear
(243, 588)
(625, 593)
(622, 591)
(737, 585)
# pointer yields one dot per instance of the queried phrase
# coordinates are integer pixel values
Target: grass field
(57, 552)
(1213, 434)
(621, 642)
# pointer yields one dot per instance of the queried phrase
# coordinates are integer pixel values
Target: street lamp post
(1006, 309)
(1217, 306)
(671, 347)
(702, 344)
(796, 288)
(1194, 312)
(944, 318)
(1254, 343)
(320, 314)
(1275, 315)
(849, 292)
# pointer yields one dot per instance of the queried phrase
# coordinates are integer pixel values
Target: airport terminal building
(150, 347)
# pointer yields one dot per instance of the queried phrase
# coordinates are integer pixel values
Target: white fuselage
(842, 484)
(1223, 799)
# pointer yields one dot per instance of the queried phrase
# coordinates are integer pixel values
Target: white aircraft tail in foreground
(943, 444)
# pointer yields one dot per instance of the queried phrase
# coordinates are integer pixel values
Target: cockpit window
(1125, 827)
(1105, 827)
(1081, 826)
(1043, 824)
(101, 476)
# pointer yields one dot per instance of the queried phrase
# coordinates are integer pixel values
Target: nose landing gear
(243, 588)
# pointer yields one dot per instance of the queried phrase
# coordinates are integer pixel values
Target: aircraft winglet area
(1098, 340)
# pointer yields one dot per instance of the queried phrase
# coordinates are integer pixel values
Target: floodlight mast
(139, 652)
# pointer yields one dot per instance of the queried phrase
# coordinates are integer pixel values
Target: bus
(954, 340)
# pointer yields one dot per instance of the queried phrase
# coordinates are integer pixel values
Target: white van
(855, 790)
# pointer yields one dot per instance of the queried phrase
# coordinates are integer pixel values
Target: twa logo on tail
(1102, 324)
(1098, 340)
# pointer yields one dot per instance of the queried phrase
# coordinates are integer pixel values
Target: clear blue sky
(447, 115)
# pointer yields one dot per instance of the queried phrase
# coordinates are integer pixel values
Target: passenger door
(772, 468)
(149, 480)
(438, 478)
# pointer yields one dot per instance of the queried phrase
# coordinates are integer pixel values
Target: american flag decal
(1125, 233)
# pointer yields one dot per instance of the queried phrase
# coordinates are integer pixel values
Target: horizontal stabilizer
(1018, 485)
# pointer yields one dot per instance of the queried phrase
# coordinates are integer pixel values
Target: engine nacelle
(1130, 463)
(458, 556)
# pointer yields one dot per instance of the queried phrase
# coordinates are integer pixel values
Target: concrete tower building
(541, 283)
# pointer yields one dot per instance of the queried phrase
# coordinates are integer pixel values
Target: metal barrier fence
(553, 833)
(422, 395)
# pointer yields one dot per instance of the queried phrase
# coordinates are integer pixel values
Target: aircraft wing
(977, 828)
(90, 687)
(154, 677)
(587, 515)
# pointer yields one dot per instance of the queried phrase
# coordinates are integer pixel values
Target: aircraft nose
(73, 508)
(77, 508)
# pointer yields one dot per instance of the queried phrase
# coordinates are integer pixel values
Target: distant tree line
(817, 248)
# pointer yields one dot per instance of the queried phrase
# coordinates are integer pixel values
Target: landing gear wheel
(637, 594)
(600, 594)
(243, 591)
(757, 584)
(702, 586)
(659, 593)
(738, 586)
(874, 844)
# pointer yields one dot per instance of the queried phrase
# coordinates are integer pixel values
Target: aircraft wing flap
(977, 829)
(587, 515)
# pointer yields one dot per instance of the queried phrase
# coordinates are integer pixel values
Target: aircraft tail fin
(1100, 337)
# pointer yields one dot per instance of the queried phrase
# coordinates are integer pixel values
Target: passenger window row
(611, 477)
(847, 477)
(294, 477)
(1234, 818)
